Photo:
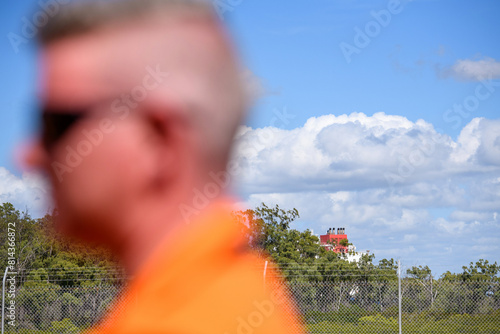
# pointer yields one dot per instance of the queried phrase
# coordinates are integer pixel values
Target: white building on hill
(352, 256)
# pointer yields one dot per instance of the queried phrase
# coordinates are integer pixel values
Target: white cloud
(399, 188)
(410, 237)
(470, 216)
(450, 227)
(468, 143)
(382, 177)
(472, 70)
(28, 192)
(355, 152)
(489, 150)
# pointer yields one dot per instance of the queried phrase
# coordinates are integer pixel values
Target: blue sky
(398, 142)
(295, 50)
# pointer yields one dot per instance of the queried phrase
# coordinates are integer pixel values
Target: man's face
(100, 147)
(95, 141)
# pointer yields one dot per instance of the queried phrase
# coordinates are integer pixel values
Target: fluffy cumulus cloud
(399, 187)
(28, 192)
(472, 70)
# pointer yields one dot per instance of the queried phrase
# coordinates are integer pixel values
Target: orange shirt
(203, 280)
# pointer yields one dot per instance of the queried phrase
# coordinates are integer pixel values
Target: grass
(412, 324)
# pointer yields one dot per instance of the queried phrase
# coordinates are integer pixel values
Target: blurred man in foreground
(141, 100)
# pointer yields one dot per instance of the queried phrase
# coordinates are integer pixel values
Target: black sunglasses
(56, 123)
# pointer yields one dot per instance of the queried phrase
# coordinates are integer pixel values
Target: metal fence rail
(326, 307)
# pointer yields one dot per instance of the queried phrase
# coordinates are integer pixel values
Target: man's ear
(31, 155)
(168, 141)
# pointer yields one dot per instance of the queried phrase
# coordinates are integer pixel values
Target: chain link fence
(373, 307)
(49, 308)
(428, 306)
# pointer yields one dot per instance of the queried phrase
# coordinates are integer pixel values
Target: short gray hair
(79, 17)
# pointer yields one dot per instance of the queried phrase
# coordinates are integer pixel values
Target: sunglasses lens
(55, 125)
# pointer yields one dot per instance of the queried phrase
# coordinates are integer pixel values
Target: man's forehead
(109, 61)
(71, 72)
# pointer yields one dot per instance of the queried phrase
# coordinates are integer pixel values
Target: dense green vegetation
(59, 279)
(42, 255)
(336, 296)
(299, 254)
(302, 258)
(53, 278)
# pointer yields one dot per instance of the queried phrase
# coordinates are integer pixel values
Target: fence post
(399, 292)
(3, 297)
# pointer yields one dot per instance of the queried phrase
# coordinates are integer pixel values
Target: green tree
(344, 242)
(420, 286)
(387, 270)
(482, 270)
(268, 232)
(419, 273)
(37, 245)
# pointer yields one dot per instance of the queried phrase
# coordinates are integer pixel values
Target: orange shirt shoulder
(204, 280)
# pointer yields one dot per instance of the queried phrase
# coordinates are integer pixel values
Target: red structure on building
(331, 241)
